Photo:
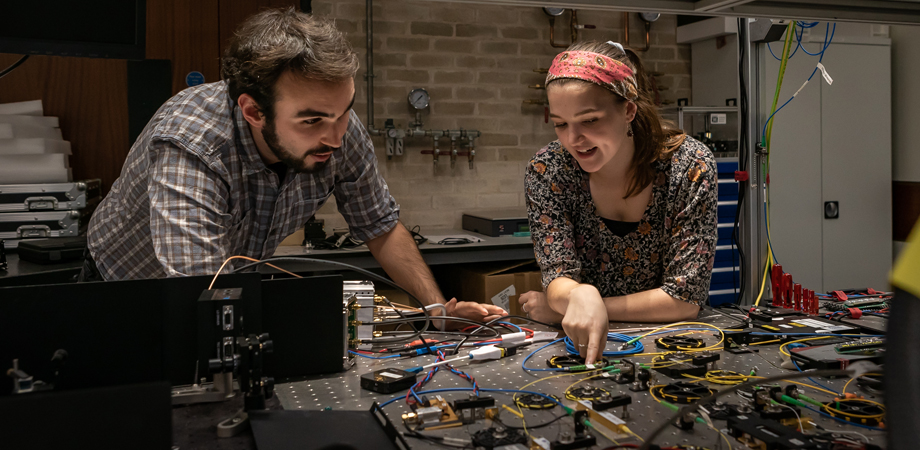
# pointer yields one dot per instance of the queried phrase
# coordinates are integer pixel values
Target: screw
(566, 437)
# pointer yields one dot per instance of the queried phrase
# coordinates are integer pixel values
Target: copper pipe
(552, 34)
(648, 42)
(626, 29)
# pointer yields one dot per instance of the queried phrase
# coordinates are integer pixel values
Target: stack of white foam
(32, 149)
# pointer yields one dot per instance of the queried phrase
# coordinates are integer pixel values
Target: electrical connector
(416, 352)
(487, 352)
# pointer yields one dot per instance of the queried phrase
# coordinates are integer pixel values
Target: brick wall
(476, 61)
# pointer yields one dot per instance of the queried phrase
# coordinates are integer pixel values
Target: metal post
(751, 226)
(369, 75)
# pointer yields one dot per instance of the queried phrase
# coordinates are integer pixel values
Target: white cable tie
(824, 73)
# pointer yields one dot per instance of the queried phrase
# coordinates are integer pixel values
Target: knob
(268, 383)
(268, 347)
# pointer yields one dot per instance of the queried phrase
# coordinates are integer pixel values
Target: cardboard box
(498, 283)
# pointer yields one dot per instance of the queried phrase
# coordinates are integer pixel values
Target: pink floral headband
(595, 68)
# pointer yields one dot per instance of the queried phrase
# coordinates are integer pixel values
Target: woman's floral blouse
(673, 247)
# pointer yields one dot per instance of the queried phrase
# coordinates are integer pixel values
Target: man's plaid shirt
(194, 191)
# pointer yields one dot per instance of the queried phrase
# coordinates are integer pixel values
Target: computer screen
(97, 29)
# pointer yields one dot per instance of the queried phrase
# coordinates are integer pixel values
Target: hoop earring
(629, 131)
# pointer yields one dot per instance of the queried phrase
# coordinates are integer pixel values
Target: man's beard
(298, 164)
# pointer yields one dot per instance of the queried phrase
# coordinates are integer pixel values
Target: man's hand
(537, 308)
(479, 312)
(586, 322)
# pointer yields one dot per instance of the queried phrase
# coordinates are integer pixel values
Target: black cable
(361, 271)
(742, 164)
(494, 331)
(646, 445)
(416, 233)
(15, 65)
(439, 440)
(514, 316)
(532, 427)
(744, 322)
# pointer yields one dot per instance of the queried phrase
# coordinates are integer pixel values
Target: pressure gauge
(419, 98)
(650, 16)
(554, 11)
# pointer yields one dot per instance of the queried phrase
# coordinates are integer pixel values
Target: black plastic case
(54, 250)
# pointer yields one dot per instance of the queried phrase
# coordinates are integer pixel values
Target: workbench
(491, 249)
(342, 391)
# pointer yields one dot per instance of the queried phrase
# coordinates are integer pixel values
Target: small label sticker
(502, 298)
(391, 375)
(542, 442)
(194, 78)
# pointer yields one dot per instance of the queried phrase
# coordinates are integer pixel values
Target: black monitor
(97, 29)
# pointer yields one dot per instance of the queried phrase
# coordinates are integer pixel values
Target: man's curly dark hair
(278, 40)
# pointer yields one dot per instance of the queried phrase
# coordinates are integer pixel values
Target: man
(234, 167)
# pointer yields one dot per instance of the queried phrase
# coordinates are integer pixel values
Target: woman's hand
(537, 308)
(586, 322)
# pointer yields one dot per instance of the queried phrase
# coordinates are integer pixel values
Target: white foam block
(9, 147)
(33, 131)
(28, 108)
(38, 121)
(24, 169)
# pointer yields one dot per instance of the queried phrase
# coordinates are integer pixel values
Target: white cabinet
(832, 143)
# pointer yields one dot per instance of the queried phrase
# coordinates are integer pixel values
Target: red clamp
(855, 312)
(840, 296)
(741, 175)
(871, 291)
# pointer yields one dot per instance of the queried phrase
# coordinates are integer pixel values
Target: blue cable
(799, 36)
(510, 391)
(827, 43)
(810, 378)
(777, 57)
(616, 337)
(373, 357)
(510, 324)
(524, 363)
(568, 345)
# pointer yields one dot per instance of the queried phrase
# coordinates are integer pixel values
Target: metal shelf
(867, 11)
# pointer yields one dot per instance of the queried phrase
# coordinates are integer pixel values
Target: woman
(622, 208)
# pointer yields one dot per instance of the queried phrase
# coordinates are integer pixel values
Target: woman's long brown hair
(655, 138)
